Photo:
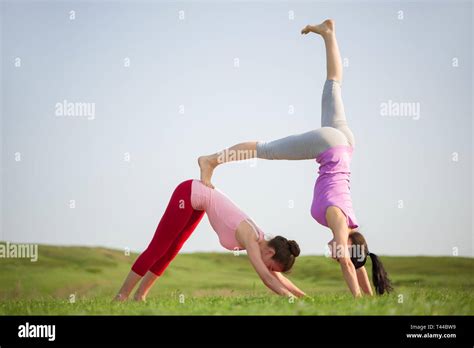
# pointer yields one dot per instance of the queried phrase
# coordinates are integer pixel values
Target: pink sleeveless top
(223, 214)
(333, 184)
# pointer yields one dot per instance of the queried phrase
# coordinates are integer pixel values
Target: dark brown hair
(286, 251)
(359, 254)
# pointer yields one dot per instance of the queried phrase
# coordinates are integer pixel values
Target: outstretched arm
(363, 280)
(337, 223)
(289, 285)
(270, 281)
(246, 237)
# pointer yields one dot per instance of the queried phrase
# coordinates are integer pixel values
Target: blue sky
(165, 89)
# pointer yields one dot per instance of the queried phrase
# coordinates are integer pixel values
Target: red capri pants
(174, 228)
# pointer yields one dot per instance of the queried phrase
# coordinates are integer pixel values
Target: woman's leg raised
(296, 147)
(334, 130)
(332, 107)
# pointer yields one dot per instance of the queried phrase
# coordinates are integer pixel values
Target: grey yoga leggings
(334, 131)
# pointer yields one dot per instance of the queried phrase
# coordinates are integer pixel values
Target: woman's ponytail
(379, 276)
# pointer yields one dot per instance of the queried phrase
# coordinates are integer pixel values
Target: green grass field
(224, 284)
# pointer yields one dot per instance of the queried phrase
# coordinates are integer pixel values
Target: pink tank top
(333, 185)
(223, 214)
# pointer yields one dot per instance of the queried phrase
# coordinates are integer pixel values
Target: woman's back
(223, 214)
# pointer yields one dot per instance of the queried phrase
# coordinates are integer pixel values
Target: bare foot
(139, 298)
(207, 168)
(120, 298)
(325, 28)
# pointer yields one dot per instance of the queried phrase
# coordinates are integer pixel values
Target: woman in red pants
(236, 231)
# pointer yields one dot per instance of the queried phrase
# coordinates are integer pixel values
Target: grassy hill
(218, 283)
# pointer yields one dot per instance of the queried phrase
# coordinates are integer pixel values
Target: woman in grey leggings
(331, 146)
